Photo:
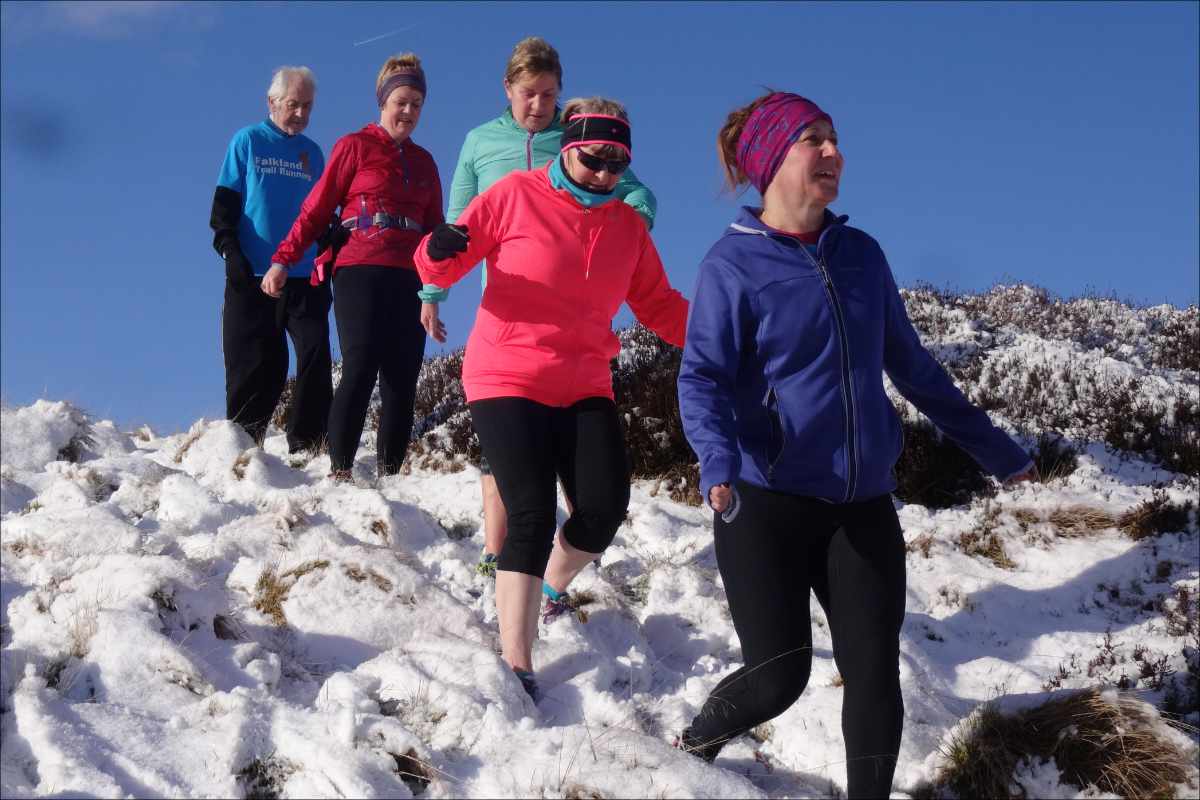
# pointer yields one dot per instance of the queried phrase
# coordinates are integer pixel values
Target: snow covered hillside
(192, 615)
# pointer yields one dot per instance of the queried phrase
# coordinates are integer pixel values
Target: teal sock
(551, 592)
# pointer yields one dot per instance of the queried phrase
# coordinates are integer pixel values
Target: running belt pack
(381, 219)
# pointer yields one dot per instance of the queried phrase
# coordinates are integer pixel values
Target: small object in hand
(447, 240)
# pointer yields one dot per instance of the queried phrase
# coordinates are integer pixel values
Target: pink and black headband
(584, 129)
(405, 76)
(772, 128)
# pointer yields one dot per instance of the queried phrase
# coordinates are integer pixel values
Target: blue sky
(1055, 144)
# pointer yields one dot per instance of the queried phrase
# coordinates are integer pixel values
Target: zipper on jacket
(776, 422)
(847, 382)
(529, 150)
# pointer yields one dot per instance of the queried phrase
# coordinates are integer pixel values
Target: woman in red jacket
(390, 194)
(563, 254)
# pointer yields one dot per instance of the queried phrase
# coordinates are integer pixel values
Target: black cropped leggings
(776, 549)
(529, 446)
(379, 329)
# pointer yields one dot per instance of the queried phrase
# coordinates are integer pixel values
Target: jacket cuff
(717, 469)
(432, 293)
(1016, 472)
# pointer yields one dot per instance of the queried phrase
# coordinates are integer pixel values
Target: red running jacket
(368, 168)
(557, 274)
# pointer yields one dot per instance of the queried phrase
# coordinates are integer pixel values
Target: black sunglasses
(596, 164)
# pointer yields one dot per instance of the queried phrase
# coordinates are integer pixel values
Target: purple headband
(772, 128)
(410, 76)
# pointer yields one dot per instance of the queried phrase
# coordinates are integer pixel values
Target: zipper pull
(364, 219)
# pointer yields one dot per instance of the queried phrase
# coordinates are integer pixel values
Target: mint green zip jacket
(501, 146)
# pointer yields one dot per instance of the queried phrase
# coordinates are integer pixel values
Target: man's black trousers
(256, 359)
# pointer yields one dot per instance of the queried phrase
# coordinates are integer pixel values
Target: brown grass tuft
(921, 544)
(1107, 740)
(983, 540)
(272, 589)
(239, 466)
(187, 443)
(1080, 520)
(359, 575)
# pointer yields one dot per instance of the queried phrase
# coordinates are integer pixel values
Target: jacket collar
(376, 130)
(508, 121)
(748, 222)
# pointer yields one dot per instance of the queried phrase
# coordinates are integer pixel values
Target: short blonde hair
(533, 55)
(405, 62)
(597, 105)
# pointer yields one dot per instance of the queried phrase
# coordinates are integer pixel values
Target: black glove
(446, 241)
(334, 237)
(237, 269)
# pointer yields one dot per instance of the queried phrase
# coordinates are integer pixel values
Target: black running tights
(776, 549)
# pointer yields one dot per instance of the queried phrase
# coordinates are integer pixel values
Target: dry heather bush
(1054, 457)
(1066, 396)
(1160, 337)
(934, 472)
(272, 589)
(1156, 516)
(1103, 739)
(263, 778)
(644, 376)
(76, 448)
(415, 773)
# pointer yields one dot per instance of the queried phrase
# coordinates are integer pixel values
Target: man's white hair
(283, 77)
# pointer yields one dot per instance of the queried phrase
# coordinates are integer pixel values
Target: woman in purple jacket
(795, 319)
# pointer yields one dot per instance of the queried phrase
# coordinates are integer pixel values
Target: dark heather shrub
(935, 472)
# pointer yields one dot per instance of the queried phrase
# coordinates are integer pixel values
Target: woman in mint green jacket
(525, 136)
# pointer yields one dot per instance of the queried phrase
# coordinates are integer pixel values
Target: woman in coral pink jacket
(389, 193)
(563, 254)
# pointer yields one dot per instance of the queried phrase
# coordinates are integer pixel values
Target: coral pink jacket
(557, 274)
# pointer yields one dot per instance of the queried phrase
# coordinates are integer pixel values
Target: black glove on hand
(446, 241)
(237, 268)
(335, 236)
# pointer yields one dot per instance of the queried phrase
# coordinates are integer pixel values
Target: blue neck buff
(559, 179)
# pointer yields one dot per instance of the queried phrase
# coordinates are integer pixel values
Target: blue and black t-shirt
(273, 172)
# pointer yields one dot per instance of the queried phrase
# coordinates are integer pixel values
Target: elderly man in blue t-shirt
(269, 169)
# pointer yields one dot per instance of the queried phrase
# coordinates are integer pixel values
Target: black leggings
(776, 549)
(527, 445)
(379, 328)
